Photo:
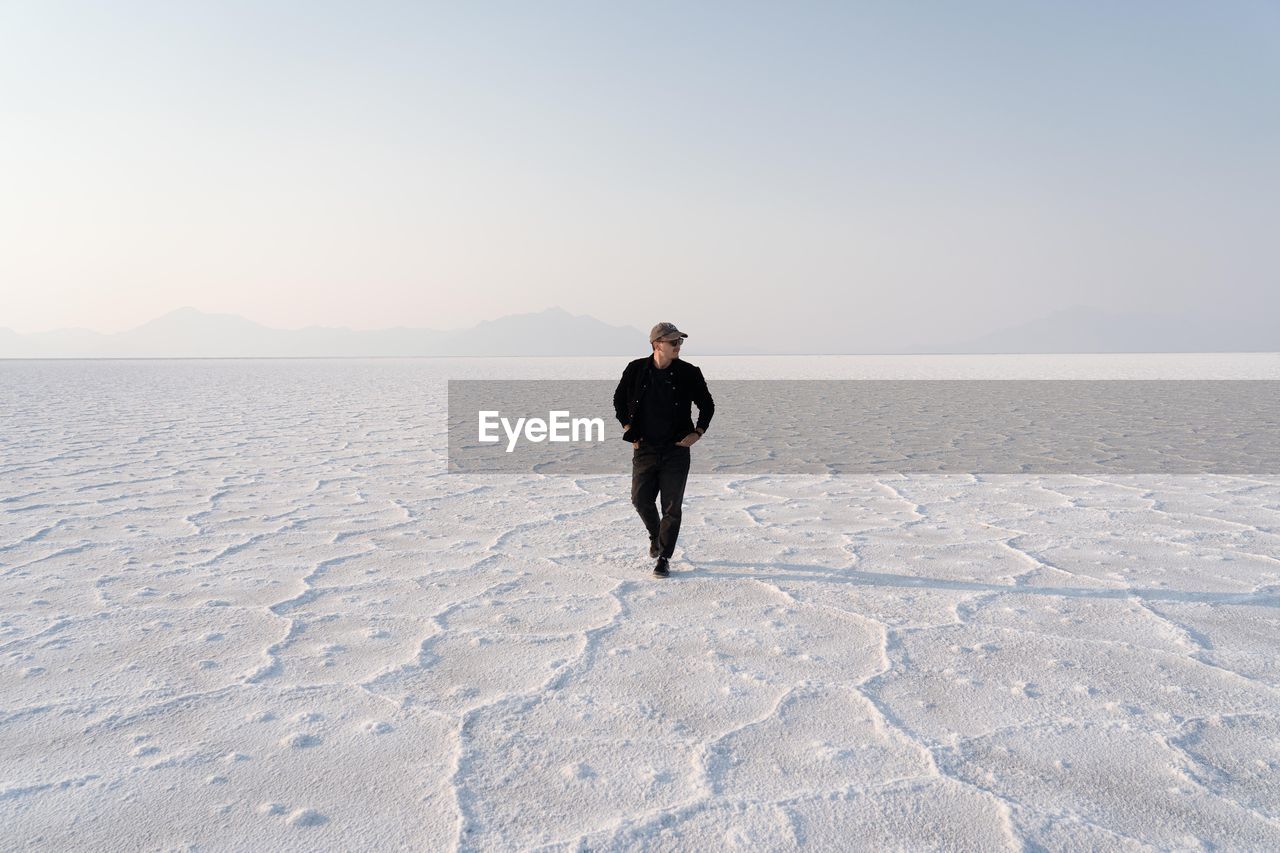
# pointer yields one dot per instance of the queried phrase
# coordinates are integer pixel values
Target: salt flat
(244, 606)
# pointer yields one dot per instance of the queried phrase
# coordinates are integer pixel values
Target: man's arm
(620, 397)
(706, 408)
(702, 398)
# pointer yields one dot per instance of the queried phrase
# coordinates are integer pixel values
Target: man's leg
(671, 482)
(644, 487)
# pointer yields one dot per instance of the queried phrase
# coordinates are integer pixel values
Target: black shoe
(660, 568)
(654, 550)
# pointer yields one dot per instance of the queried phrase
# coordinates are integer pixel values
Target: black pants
(660, 470)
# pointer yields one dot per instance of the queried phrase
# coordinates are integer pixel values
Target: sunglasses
(677, 342)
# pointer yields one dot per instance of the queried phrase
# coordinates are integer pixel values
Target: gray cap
(665, 332)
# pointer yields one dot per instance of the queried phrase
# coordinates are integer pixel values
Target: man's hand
(688, 440)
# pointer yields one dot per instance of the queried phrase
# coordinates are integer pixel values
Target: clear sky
(877, 173)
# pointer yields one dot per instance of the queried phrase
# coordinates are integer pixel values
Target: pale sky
(873, 173)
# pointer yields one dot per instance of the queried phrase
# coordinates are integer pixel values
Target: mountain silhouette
(1083, 329)
(190, 333)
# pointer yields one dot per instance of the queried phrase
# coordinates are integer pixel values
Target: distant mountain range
(188, 333)
(1083, 329)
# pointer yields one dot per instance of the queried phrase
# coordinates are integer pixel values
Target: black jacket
(689, 385)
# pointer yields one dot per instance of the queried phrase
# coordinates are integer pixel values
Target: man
(652, 404)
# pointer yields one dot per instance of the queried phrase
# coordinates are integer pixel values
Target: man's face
(671, 349)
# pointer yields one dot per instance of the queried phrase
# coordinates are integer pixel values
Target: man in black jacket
(652, 404)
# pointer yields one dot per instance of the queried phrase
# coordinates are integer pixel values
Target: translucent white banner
(877, 426)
